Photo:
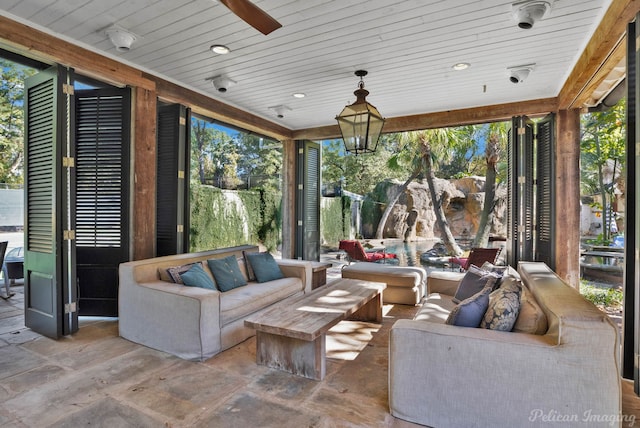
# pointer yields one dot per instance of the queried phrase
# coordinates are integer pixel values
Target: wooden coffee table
(291, 335)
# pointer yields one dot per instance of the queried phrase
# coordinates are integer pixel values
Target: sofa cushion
(531, 318)
(488, 266)
(197, 277)
(226, 272)
(504, 306)
(435, 308)
(474, 280)
(240, 302)
(263, 266)
(470, 311)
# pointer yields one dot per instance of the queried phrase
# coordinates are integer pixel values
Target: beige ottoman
(405, 284)
(443, 281)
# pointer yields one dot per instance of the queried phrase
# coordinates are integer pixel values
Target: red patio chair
(477, 256)
(356, 252)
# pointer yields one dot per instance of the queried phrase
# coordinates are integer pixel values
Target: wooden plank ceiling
(408, 47)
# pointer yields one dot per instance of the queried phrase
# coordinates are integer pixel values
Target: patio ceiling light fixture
(122, 39)
(220, 49)
(360, 123)
(528, 12)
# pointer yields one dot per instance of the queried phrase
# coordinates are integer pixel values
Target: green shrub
(335, 220)
(601, 296)
(224, 218)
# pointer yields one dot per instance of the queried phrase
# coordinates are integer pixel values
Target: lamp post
(360, 123)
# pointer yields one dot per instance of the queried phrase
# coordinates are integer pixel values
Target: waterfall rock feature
(413, 216)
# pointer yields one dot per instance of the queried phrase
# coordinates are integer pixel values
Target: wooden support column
(289, 157)
(567, 227)
(144, 174)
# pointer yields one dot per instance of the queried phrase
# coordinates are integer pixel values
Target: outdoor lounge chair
(356, 252)
(477, 257)
(3, 251)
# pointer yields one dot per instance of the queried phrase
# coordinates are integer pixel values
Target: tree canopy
(602, 159)
(229, 158)
(12, 120)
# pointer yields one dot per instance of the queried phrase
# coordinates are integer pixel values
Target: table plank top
(308, 316)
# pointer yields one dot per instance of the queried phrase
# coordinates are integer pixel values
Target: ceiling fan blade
(252, 15)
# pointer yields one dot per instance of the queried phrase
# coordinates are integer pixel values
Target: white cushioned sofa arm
(184, 321)
(302, 269)
(479, 377)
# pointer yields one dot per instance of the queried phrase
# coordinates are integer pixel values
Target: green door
(308, 201)
(49, 257)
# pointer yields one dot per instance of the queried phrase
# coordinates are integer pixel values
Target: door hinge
(299, 222)
(68, 89)
(637, 149)
(183, 120)
(522, 131)
(68, 162)
(180, 228)
(69, 235)
(300, 187)
(521, 229)
(522, 179)
(301, 150)
(70, 308)
(181, 174)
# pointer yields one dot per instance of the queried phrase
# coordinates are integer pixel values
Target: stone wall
(414, 217)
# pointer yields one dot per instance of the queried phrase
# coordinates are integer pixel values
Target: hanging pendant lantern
(360, 123)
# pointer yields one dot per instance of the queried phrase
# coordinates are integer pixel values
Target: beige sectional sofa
(191, 322)
(442, 375)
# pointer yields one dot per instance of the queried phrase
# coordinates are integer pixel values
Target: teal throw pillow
(264, 266)
(226, 272)
(197, 277)
(470, 311)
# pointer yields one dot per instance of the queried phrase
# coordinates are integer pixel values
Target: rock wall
(414, 217)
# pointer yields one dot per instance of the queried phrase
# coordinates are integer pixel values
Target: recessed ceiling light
(220, 49)
(299, 95)
(461, 66)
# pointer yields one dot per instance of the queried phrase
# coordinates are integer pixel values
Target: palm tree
(420, 149)
(497, 134)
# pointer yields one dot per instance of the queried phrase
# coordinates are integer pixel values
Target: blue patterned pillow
(504, 306)
(470, 311)
(226, 272)
(264, 266)
(197, 277)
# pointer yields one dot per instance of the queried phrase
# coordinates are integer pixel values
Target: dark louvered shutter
(512, 184)
(545, 188)
(527, 188)
(48, 262)
(102, 195)
(172, 198)
(631, 321)
(308, 207)
(520, 179)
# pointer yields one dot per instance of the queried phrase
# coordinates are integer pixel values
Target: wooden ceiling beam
(599, 57)
(209, 107)
(468, 116)
(48, 49)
